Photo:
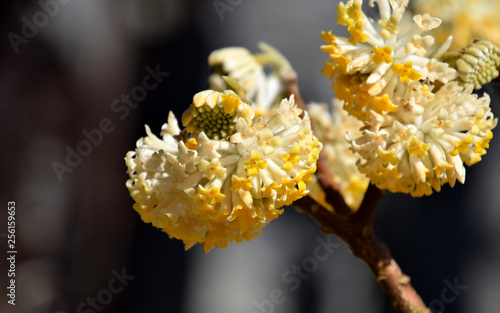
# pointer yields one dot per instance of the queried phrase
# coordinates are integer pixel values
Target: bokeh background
(76, 231)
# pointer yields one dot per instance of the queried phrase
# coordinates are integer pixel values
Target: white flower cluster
(379, 59)
(421, 126)
(227, 174)
(424, 145)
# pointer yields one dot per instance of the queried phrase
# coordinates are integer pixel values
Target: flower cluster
(421, 120)
(424, 145)
(227, 174)
(373, 65)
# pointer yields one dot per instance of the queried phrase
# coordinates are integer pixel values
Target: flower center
(215, 114)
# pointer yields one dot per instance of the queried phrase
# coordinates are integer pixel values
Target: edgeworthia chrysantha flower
(372, 67)
(426, 143)
(227, 174)
(422, 122)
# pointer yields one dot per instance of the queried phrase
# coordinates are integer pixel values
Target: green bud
(477, 63)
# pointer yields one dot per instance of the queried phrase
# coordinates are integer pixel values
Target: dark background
(74, 233)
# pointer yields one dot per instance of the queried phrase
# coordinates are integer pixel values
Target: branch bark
(357, 231)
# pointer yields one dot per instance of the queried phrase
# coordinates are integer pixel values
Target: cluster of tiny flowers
(263, 90)
(465, 20)
(227, 174)
(331, 128)
(373, 65)
(425, 144)
(421, 120)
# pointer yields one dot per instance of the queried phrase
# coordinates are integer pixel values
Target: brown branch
(331, 188)
(356, 229)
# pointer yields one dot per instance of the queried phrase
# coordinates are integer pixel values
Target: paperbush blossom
(371, 68)
(227, 174)
(465, 20)
(422, 122)
(263, 90)
(426, 143)
(331, 130)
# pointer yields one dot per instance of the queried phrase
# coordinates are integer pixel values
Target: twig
(357, 231)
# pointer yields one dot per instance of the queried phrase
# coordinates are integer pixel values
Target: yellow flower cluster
(421, 121)
(425, 144)
(227, 174)
(380, 59)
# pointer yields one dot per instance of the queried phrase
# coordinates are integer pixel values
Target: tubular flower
(263, 90)
(381, 58)
(425, 145)
(225, 187)
(465, 20)
(331, 130)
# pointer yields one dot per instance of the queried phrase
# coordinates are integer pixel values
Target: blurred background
(78, 81)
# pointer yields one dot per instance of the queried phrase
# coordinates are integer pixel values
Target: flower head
(381, 58)
(425, 145)
(228, 185)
